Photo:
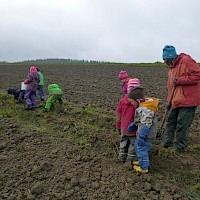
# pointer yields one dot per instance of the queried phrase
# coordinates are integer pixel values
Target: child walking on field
(124, 116)
(146, 109)
(55, 94)
(123, 77)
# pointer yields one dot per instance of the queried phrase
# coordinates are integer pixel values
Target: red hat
(122, 75)
(33, 69)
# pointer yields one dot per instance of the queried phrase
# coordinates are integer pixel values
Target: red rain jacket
(125, 113)
(187, 73)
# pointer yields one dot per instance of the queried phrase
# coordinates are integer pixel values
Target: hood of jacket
(53, 86)
(126, 101)
(150, 103)
(180, 57)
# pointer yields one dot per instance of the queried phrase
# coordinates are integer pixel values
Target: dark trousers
(41, 91)
(177, 128)
(126, 149)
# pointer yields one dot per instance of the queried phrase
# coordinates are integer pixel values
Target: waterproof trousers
(30, 98)
(142, 152)
(177, 127)
(126, 149)
(52, 99)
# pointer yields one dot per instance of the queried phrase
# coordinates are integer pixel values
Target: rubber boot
(138, 169)
(135, 162)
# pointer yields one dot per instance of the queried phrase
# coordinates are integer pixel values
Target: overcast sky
(104, 30)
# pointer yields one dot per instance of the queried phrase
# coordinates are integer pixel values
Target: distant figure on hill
(54, 94)
(41, 85)
(32, 82)
(125, 113)
(123, 77)
(184, 76)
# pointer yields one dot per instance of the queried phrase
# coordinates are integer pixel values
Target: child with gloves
(55, 94)
(146, 108)
(124, 116)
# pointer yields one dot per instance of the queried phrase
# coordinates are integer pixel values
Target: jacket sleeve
(146, 116)
(193, 74)
(118, 115)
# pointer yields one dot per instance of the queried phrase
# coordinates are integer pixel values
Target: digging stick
(166, 111)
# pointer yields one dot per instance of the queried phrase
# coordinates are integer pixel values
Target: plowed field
(71, 152)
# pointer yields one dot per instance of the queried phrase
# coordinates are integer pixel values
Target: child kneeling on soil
(146, 109)
(124, 116)
(18, 93)
(55, 94)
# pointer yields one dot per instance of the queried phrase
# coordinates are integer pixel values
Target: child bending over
(146, 109)
(55, 94)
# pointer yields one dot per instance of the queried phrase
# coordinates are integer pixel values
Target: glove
(131, 127)
(143, 132)
(174, 81)
(168, 106)
(118, 131)
(139, 141)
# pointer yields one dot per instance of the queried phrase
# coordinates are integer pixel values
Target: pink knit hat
(132, 83)
(33, 69)
(122, 75)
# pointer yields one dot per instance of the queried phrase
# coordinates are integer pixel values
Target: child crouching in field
(146, 109)
(55, 94)
(124, 116)
(18, 93)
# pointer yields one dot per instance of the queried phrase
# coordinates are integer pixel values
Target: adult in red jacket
(184, 75)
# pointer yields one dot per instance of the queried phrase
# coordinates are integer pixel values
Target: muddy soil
(95, 84)
(48, 166)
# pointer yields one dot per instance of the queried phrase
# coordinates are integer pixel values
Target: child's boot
(135, 162)
(29, 107)
(46, 109)
(138, 169)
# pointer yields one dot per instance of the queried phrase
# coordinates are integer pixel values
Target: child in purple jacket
(32, 82)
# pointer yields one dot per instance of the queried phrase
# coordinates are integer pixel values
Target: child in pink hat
(132, 83)
(125, 113)
(32, 82)
(123, 77)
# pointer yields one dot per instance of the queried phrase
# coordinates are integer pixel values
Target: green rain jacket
(53, 89)
(41, 78)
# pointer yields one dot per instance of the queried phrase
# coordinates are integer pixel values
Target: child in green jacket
(55, 94)
(40, 87)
